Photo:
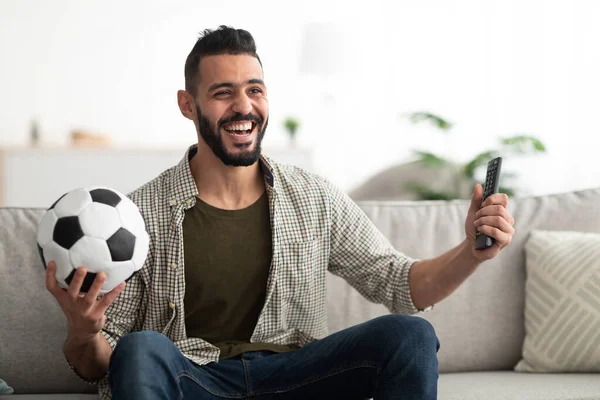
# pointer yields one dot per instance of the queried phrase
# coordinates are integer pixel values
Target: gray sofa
(480, 326)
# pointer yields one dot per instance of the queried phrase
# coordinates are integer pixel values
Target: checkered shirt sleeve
(365, 258)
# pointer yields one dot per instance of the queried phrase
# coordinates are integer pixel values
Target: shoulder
(297, 183)
(150, 196)
(307, 192)
(295, 180)
(311, 191)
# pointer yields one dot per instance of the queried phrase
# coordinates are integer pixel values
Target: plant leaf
(425, 193)
(429, 159)
(479, 160)
(522, 144)
(291, 124)
(435, 120)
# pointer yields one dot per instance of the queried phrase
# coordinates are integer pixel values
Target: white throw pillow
(562, 302)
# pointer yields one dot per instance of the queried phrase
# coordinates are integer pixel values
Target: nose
(242, 104)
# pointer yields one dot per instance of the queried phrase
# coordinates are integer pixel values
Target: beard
(214, 139)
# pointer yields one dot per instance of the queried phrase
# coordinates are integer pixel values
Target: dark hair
(224, 40)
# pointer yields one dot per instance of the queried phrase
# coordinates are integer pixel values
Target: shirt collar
(183, 187)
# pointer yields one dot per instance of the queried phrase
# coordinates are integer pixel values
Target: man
(231, 300)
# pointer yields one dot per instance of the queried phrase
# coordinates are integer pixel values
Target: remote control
(492, 183)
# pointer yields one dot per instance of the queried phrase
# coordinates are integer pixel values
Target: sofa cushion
(33, 325)
(562, 302)
(522, 386)
(481, 325)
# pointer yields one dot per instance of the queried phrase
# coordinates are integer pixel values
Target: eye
(256, 90)
(221, 93)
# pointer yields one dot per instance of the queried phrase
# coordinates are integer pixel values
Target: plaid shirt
(316, 228)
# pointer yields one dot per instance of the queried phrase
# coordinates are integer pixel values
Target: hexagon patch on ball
(98, 228)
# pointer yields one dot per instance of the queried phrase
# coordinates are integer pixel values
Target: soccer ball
(98, 228)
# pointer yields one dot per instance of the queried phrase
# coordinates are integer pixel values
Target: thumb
(476, 198)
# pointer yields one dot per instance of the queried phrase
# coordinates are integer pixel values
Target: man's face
(232, 107)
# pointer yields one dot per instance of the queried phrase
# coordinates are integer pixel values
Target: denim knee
(396, 328)
(145, 343)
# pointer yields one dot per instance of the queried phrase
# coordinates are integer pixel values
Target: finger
(75, 285)
(496, 222)
(495, 210)
(90, 297)
(476, 198)
(496, 198)
(109, 297)
(51, 283)
(502, 239)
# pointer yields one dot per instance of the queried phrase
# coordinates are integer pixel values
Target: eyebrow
(230, 85)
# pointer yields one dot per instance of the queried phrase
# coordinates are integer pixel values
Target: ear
(187, 104)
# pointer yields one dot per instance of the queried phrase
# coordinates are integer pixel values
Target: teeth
(240, 127)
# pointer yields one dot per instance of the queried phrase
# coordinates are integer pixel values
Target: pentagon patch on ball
(98, 228)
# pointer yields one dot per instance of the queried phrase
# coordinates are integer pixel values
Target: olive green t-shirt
(227, 261)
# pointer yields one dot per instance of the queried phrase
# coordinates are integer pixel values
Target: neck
(226, 187)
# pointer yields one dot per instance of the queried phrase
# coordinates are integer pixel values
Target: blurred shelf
(37, 176)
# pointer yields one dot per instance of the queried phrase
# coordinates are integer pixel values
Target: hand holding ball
(98, 228)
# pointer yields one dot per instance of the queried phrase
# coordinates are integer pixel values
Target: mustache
(239, 117)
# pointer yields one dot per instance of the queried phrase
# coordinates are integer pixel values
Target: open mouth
(240, 128)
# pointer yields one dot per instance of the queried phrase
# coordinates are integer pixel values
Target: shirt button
(171, 305)
(188, 202)
(174, 266)
(173, 202)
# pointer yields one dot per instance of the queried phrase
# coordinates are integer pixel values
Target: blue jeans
(389, 357)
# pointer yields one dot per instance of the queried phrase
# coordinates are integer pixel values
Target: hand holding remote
(492, 184)
(489, 224)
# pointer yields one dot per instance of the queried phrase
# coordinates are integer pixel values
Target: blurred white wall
(494, 68)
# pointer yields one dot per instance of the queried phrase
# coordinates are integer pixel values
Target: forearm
(434, 279)
(90, 358)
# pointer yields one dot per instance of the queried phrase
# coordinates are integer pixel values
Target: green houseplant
(464, 174)
(291, 125)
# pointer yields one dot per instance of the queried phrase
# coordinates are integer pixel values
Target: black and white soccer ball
(98, 228)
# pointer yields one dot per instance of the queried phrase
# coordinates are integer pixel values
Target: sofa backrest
(481, 325)
(32, 325)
